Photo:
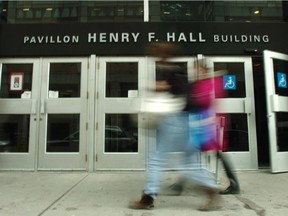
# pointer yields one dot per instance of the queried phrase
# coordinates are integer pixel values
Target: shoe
(230, 190)
(215, 201)
(146, 202)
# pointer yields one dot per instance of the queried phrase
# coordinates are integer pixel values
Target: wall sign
(16, 81)
(132, 38)
(281, 80)
(229, 82)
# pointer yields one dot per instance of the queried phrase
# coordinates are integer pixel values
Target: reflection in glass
(7, 69)
(65, 79)
(236, 132)
(115, 11)
(234, 81)
(63, 133)
(14, 133)
(215, 11)
(71, 11)
(282, 128)
(121, 78)
(121, 134)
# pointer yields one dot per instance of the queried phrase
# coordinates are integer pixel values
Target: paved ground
(108, 194)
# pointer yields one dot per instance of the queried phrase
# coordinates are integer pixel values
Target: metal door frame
(117, 161)
(275, 103)
(241, 160)
(23, 161)
(63, 160)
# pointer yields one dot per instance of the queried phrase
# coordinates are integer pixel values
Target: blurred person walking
(202, 135)
(172, 135)
(203, 105)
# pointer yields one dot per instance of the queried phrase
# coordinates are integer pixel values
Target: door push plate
(248, 105)
(274, 103)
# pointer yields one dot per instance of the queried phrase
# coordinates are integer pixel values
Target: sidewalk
(108, 193)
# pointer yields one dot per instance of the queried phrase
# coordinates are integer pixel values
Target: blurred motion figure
(172, 135)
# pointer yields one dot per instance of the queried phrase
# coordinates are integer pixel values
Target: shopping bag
(157, 104)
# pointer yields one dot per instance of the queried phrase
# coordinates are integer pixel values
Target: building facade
(73, 73)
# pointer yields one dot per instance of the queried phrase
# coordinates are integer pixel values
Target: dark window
(71, 11)
(216, 11)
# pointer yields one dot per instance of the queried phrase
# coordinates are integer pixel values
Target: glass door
(238, 108)
(276, 73)
(18, 113)
(63, 114)
(120, 143)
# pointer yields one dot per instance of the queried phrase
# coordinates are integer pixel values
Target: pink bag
(201, 93)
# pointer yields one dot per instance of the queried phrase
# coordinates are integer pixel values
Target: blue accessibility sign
(281, 80)
(229, 82)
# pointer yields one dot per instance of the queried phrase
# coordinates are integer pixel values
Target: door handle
(42, 109)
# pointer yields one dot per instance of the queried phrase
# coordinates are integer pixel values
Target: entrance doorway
(62, 114)
(238, 107)
(120, 139)
(276, 73)
(43, 114)
(261, 113)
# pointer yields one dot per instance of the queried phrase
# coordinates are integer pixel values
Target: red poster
(16, 81)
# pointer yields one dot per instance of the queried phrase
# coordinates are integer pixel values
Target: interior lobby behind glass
(133, 11)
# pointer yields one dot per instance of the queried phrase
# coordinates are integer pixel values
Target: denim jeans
(172, 136)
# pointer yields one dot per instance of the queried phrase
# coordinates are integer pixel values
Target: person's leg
(233, 187)
(199, 172)
(171, 135)
(156, 162)
(196, 171)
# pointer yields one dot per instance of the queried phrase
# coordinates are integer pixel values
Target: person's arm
(162, 85)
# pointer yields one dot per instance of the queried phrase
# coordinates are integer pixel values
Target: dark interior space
(261, 112)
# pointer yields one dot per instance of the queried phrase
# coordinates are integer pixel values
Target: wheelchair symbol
(230, 82)
(282, 81)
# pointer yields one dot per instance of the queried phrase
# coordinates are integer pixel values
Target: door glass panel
(236, 132)
(64, 80)
(282, 128)
(280, 76)
(121, 79)
(14, 133)
(15, 79)
(63, 133)
(121, 133)
(233, 81)
(281, 88)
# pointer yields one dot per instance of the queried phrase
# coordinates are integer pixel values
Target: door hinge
(96, 125)
(97, 95)
(86, 125)
(98, 65)
(96, 158)
(86, 158)
(87, 95)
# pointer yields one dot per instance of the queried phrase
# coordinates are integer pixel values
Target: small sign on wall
(282, 80)
(132, 93)
(26, 95)
(16, 81)
(229, 82)
(53, 94)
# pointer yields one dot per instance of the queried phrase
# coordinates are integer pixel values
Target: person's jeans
(172, 136)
